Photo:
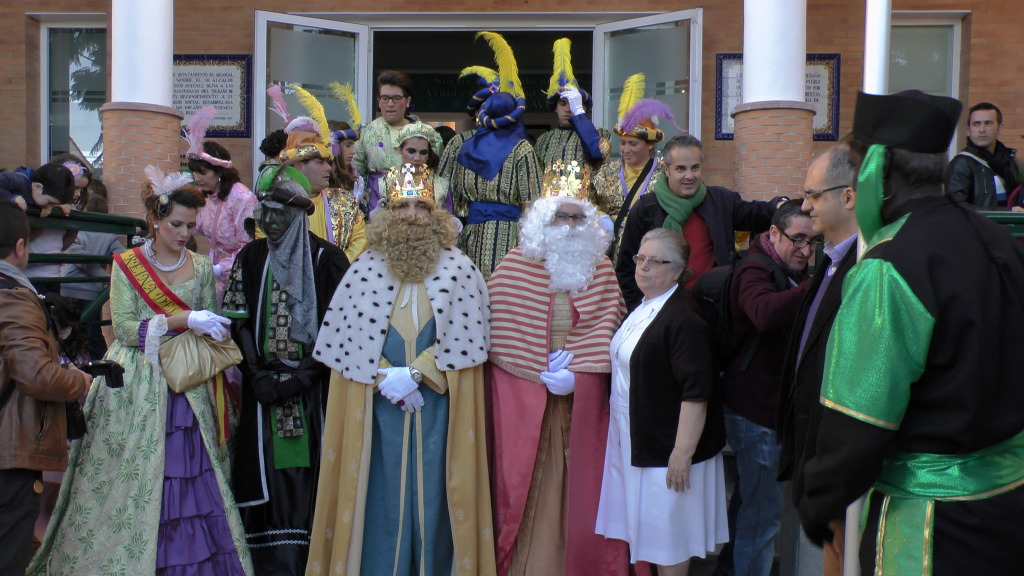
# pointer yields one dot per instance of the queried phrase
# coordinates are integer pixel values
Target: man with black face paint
(277, 294)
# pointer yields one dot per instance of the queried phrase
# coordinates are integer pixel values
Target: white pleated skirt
(661, 526)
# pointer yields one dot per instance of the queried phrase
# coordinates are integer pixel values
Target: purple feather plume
(645, 109)
(280, 106)
(197, 128)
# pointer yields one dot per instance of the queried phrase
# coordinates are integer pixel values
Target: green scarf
(678, 208)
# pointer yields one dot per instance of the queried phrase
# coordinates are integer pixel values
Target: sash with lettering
(162, 300)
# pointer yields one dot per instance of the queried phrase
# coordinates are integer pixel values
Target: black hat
(284, 185)
(910, 120)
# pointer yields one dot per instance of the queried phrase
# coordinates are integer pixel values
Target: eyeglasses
(800, 241)
(565, 217)
(815, 193)
(642, 260)
(384, 99)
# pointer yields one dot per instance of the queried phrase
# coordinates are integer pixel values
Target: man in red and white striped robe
(555, 305)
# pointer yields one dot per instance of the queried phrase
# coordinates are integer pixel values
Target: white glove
(206, 323)
(413, 402)
(575, 100)
(558, 360)
(217, 270)
(397, 383)
(606, 223)
(559, 383)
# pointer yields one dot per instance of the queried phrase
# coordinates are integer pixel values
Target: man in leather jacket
(33, 389)
(985, 173)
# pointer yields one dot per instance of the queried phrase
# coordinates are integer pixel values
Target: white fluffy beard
(571, 256)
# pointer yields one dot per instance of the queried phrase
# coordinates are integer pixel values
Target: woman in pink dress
(228, 204)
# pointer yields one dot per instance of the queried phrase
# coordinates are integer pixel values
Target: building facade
(57, 70)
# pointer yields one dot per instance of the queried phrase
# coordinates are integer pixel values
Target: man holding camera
(33, 389)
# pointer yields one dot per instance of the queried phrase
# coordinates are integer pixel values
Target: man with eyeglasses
(922, 392)
(377, 148)
(555, 304)
(707, 216)
(829, 200)
(766, 289)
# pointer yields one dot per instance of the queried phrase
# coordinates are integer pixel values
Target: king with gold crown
(555, 304)
(403, 484)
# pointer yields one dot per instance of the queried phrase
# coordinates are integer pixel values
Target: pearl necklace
(147, 249)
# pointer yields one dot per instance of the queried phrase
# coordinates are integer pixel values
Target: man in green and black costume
(276, 296)
(922, 381)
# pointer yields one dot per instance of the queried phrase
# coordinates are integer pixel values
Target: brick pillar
(134, 135)
(773, 147)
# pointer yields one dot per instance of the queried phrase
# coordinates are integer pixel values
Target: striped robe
(521, 313)
(520, 309)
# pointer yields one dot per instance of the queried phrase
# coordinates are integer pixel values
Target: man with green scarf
(921, 386)
(707, 216)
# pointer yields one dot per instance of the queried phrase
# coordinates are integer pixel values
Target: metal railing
(88, 222)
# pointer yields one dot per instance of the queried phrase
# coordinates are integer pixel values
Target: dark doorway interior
(435, 58)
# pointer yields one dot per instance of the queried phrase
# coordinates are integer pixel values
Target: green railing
(130, 228)
(1012, 221)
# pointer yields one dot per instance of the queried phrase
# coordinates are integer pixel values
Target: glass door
(667, 49)
(312, 53)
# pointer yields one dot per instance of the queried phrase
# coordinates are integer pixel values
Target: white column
(877, 23)
(774, 50)
(142, 51)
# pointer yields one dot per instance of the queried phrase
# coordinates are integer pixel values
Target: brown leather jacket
(33, 426)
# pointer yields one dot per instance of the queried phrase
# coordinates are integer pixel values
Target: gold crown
(410, 181)
(563, 180)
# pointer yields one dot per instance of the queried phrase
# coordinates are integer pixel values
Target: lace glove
(575, 100)
(413, 402)
(397, 384)
(559, 360)
(559, 383)
(206, 323)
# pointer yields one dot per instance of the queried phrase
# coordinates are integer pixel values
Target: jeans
(757, 503)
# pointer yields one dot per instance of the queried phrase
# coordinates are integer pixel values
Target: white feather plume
(164, 184)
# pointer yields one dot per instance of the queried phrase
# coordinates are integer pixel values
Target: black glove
(305, 376)
(265, 387)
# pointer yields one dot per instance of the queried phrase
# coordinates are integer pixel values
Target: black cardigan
(672, 363)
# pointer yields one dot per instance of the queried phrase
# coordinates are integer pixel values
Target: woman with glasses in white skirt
(663, 489)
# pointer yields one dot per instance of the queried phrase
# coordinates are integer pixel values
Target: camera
(112, 371)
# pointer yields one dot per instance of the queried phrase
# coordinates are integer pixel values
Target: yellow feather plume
(561, 72)
(508, 70)
(316, 111)
(484, 72)
(344, 93)
(632, 92)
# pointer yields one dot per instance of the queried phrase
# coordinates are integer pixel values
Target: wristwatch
(416, 375)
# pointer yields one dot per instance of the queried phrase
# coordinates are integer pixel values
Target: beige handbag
(188, 359)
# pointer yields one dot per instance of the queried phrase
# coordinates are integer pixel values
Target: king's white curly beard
(571, 256)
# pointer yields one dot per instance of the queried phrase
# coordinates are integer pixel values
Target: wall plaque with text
(821, 91)
(223, 81)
